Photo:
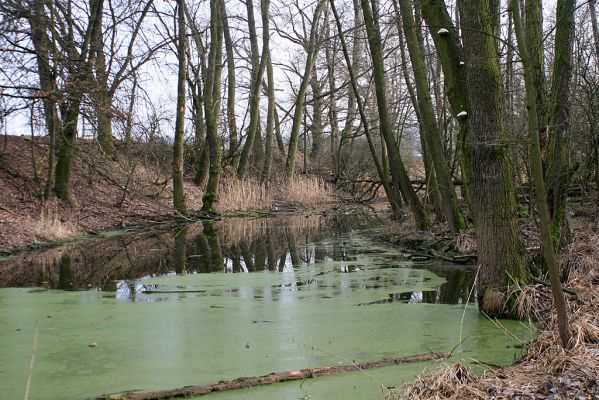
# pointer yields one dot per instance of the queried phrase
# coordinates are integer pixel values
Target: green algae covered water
(205, 303)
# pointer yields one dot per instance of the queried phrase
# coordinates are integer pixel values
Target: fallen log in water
(275, 377)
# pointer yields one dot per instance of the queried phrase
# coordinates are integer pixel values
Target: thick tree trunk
(66, 151)
(500, 250)
(399, 174)
(178, 188)
(212, 104)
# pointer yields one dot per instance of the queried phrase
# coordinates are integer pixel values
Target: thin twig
(32, 360)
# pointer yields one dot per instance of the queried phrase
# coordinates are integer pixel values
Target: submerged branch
(275, 377)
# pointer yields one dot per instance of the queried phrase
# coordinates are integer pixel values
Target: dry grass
(50, 227)
(547, 370)
(307, 191)
(244, 195)
(465, 241)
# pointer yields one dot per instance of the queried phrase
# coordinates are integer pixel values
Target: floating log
(275, 377)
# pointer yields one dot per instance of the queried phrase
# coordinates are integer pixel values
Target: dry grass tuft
(445, 383)
(243, 195)
(50, 227)
(307, 191)
(465, 241)
(581, 257)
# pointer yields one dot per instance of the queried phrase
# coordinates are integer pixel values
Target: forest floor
(136, 189)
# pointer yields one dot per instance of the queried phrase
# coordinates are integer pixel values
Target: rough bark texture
(500, 251)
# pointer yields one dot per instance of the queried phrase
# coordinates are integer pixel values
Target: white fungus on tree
(462, 114)
(443, 32)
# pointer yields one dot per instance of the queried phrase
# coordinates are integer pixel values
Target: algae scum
(215, 301)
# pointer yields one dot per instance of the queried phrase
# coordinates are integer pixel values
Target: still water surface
(215, 301)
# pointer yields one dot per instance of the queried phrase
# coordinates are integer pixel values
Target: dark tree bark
(500, 250)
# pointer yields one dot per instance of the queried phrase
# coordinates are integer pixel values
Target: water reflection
(316, 251)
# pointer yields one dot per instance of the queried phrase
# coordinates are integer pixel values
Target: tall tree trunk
(258, 66)
(66, 150)
(399, 174)
(500, 250)
(558, 172)
(300, 100)
(178, 172)
(102, 97)
(316, 128)
(231, 86)
(39, 25)
(593, 11)
(392, 195)
(534, 39)
(270, 115)
(430, 131)
(537, 177)
(333, 113)
(451, 57)
(212, 104)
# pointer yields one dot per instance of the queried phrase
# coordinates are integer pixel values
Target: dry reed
(50, 227)
(243, 195)
(307, 191)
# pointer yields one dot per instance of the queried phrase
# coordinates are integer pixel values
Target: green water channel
(249, 298)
